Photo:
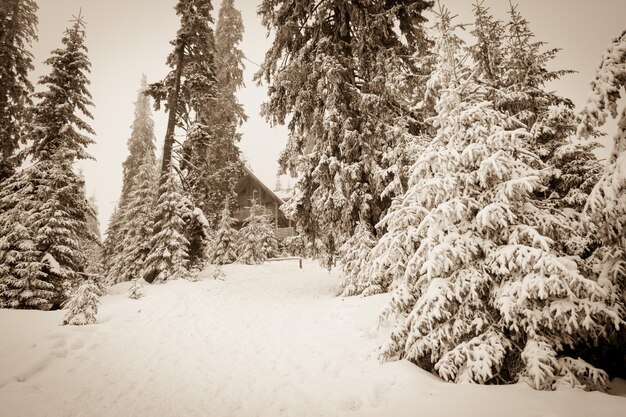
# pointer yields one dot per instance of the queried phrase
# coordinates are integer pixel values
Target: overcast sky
(129, 37)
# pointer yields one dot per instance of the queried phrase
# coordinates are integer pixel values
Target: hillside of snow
(269, 340)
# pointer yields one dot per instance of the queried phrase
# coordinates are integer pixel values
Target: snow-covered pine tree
(141, 144)
(605, 210)
(519, 88)
(224, 245)
(18, 27)
(355, 259)
(128, 262)
(56, 117)
(167, 258)
(360, 58)
(485, 296)
(23, 281)
(138, 174)
(190, 90)
(53, 212)
(257, 240)
(82, 306)
(211, 156)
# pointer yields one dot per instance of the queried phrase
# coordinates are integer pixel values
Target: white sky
(129, 37)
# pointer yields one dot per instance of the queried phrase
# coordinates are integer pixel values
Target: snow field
(269, 340)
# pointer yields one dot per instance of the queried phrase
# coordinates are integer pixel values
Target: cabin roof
(270, 193)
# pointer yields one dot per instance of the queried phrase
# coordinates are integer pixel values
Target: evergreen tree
(82, 306)
(257, 241)
(486, 296)
(45, 259)
(138, 175)
(211, 147)
(23, 280)
(190, 89)
(224, 250)
(134, 291)
(167, 258)
(605, 210)
(343, 77)
(57, 120)
(355, 257)
(141, 144)
(127, 263)
(190, 86)
(18, 26)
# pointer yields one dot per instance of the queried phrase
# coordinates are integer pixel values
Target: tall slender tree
(190, 86)
(137, 175)
(18, 27)
(216, 165)
(189, 89)
(341, 75)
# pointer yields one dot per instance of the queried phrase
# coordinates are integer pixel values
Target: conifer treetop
(57, 124)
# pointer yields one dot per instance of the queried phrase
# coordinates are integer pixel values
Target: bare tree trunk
(172, 107)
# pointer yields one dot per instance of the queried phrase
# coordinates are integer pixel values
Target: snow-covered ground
(270, 340)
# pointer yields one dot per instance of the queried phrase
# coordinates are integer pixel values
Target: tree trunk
(172, 105)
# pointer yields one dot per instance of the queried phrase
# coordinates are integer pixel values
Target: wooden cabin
(249, 186)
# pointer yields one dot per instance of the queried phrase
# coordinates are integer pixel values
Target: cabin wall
(249, 187)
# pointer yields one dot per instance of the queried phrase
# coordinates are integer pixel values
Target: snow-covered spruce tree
(23, 280)
(341, 75)
(485, 296)
(141, 144)
(189, 89)
(224, 245)
(48, 197)
(127, 263)
(136, 169)
(355, 259)
(82, 306)
(257, 240)
(167, 258)
(130, 227)
(18, 26)
(605, 211)
(519, 88)
(211, 157)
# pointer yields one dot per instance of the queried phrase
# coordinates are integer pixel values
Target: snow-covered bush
(134, 291)
(82, 306)
(257, 240)
(224, 243)
(217, 273)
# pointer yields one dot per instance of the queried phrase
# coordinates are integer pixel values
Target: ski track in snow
(270, 340)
